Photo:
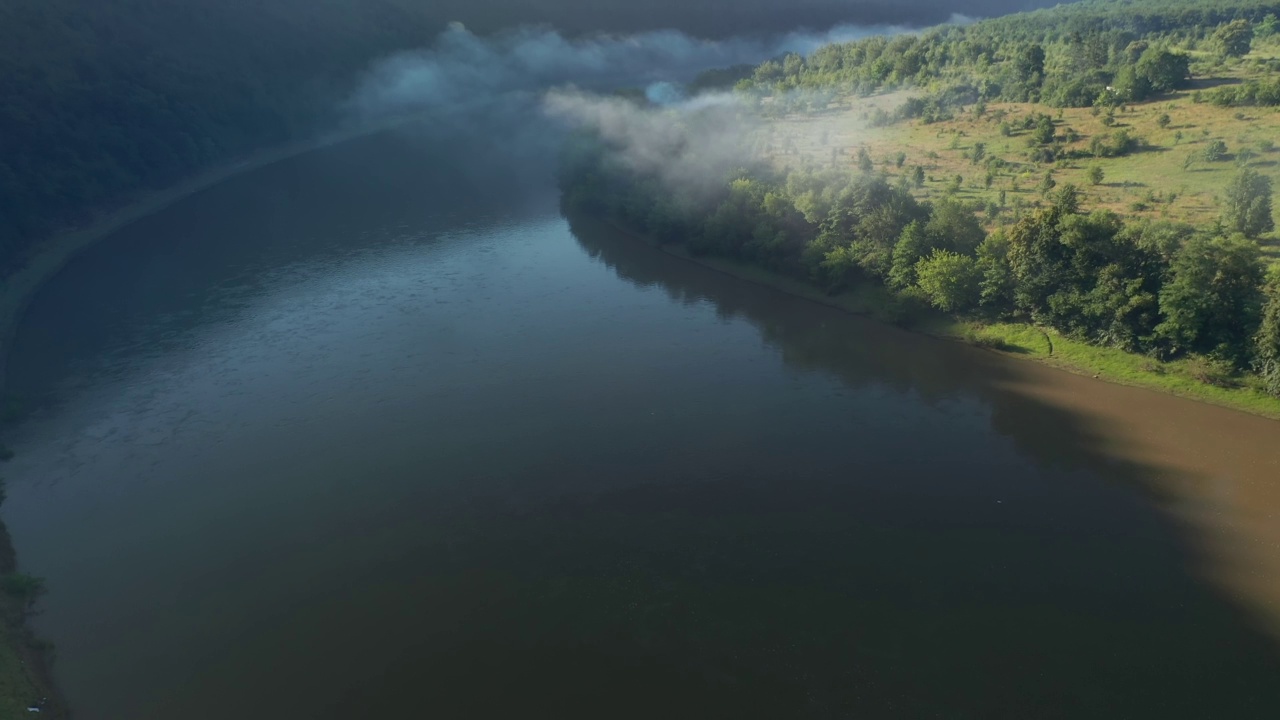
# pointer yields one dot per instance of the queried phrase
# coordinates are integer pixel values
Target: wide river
(377, 433)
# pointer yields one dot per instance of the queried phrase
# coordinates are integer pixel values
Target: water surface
(365, 434)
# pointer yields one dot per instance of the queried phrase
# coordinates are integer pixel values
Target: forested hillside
(965, 170)
(108, 98)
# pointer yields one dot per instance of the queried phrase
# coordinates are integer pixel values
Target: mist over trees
(1156, 287)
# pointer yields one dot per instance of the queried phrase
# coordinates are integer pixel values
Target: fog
(505, 100)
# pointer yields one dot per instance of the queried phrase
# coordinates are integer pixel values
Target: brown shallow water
(365, 435)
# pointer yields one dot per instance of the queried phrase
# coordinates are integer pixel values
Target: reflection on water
(357, 452)
(1216, 470)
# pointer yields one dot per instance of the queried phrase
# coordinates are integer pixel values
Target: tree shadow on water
(977, 550)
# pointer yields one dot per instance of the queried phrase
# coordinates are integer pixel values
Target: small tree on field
(865, 164)
(1164, 120)
(1048, 183)
(1215, 151)
(1095, 175)
(1247, 207)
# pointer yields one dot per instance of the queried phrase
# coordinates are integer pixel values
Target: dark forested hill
(106, 98)
(103, 99)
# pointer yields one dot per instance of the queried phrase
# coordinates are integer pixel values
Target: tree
(950, 280)
(1234, 39)
(1267, 341)
(979, 152)
(1047, 183)
(1095, 174)
(996, 287)
(1162, 70)
(953, 226)
(865, 163)
(1043, 131)
(1213, 302)
(1269, 26)
(1029, 63)
(917, 176)
(1164, 120)
(913, 244)
(1214, 151)
(1247, 208)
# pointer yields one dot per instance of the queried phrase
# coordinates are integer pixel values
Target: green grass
(1117, 366)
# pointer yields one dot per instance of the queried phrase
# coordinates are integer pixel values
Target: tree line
(1165, 289)
(1093, 53)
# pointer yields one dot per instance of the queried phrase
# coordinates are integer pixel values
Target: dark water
(358, 435)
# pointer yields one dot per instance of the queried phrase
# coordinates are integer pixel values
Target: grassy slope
(1148, 177)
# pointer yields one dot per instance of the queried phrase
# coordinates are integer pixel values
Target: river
(374, 433)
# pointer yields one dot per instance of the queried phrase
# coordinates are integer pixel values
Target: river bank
(1016, 340)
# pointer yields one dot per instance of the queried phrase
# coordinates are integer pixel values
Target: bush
(949, 280)
(26, 589)
(1215, 151)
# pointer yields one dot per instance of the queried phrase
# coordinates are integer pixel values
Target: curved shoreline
(53, 254)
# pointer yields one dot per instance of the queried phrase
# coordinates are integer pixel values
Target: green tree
(979, 152)
(1095, 174)
(1268, 27)
(950, 280)
(1267, 342)
(1164, 120)
(953, 226)
(1234, 39)
(996, 287)
(865, 163)
(1043, 131)
(1214, 151)
(1247, 204)
(1029, 63)
(1213, 302)
(917, 176)
(1162, 70)
(1047, 183)
(913, 244)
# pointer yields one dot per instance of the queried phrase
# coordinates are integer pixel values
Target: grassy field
(1157, 181)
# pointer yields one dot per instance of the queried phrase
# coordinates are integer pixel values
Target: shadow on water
(1070, 597)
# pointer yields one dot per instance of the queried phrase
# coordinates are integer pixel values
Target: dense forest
(1170, 290)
